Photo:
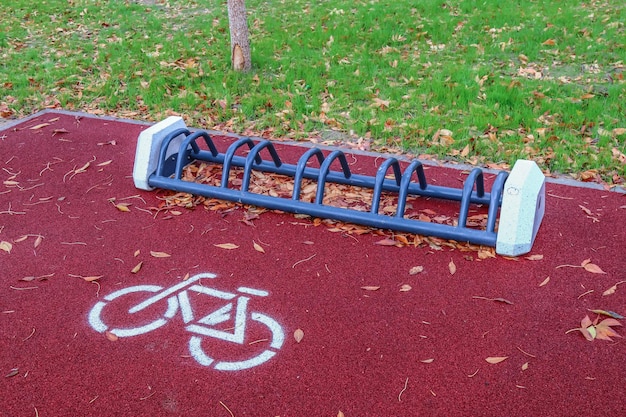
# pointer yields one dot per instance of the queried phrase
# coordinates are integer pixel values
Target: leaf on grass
(159, 254)
(452, 267)
(536, 257)
(608, 313)
(496, 359)
(544, 282)
(6, 246)
(136, 268)
(416, 270)
(228, 246)
(298, 335)
(258, 247)
(405, 288)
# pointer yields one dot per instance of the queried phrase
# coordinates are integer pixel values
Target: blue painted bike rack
(169, 171)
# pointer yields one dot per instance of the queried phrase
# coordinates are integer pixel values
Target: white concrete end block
(149, 146)
(523, 207)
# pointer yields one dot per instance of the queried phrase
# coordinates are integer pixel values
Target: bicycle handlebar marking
(177, 297)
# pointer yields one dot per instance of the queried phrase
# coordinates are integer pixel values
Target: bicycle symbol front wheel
(277, 338)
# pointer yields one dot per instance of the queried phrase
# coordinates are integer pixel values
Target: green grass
(484, 82)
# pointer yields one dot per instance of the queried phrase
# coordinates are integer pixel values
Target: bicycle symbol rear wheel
(95, 319)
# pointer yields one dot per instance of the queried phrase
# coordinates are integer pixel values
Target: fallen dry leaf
(593, 268)
(534, 257)
(386, 242)
(6, 246)
(544, 282)
(258, 247)
(122, 207)
(39, 126)
(405, 288)
(452, 267)
(137, 268)
(370, 288)
(92, 278)
(159, 254)
(427, 360)
(416, 270)
(496, 359)
(38, 241)
(228, 246)
(298, 335)
(594, 330)
(525, 366)
(137, 252)
(111, 336)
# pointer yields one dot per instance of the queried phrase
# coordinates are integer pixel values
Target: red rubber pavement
(387, 352)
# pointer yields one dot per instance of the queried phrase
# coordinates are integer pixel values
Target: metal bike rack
(164, 150)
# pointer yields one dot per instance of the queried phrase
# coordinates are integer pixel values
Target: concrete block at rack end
(522, 210)
(149, 146)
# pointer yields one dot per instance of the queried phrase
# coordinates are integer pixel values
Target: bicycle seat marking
(178, 299)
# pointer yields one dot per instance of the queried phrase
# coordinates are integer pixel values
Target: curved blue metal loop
(301, 166)
(184, 157)
(228, 158)
(165, 143)
(474, 177)
(207, 140)
(403, 193)
(380, 179)
(254, 156)
(497, 189)
(325, 168)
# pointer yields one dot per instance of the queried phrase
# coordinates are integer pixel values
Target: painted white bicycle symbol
(178, 298)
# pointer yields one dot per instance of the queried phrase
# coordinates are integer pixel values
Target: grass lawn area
(480, 82)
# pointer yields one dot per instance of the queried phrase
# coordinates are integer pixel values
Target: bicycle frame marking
(177, 297)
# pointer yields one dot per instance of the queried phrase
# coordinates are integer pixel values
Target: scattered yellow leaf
(593, 268)
(101, 164)
(38, 240)
(228, 246)
(136, 268)
(587, 96)
(405, 288)
(159, 254)
(416, 270)
(496, 359)
(122, 207)
(111, 336)
(92, 278)
(452, 267)
(370, 288)
(137, 252)
(340, 414)
(536, 257)
(258, 247)
(6, 246)
(544, 282)
(428, 360)
(39, 126)
(298, 335)
(525, 366)
(549, 42)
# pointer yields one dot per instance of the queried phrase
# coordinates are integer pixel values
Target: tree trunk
(239, 42)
